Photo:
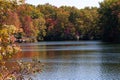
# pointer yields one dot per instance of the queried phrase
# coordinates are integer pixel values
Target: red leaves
(51, 23)
(28, 26)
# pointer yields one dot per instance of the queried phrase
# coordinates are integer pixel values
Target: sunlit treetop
(17, 1)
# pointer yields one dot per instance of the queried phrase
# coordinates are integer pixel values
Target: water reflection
(80, 60)
(110, 66)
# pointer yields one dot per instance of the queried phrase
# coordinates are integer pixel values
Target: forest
(22, 22)
(50, 23)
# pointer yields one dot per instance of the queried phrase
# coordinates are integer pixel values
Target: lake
(75, 60)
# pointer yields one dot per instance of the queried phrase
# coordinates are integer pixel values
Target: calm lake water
(75, 60)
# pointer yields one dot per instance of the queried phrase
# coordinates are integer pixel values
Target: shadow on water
(110, 66)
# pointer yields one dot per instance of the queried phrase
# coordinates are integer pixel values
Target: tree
(28, 27)
(4, 8)
(40, 26)
(28, 14)
(13, 19)
(48, 10)
(7, 46)
(109, 20)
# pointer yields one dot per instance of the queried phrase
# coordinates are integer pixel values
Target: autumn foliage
(48, 22)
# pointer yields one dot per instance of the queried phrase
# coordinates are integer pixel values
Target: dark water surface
(75, 60)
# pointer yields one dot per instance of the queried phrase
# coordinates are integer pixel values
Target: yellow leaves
(63, 16)
(1, 57)
(16, 49)
(11, 29)
(7, 47)
(6, 31)
(8, 51)
(3, 33)
(1, 52)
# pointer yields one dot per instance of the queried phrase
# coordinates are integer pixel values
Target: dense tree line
(70, 23)
(48, 22)
(110, 20)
